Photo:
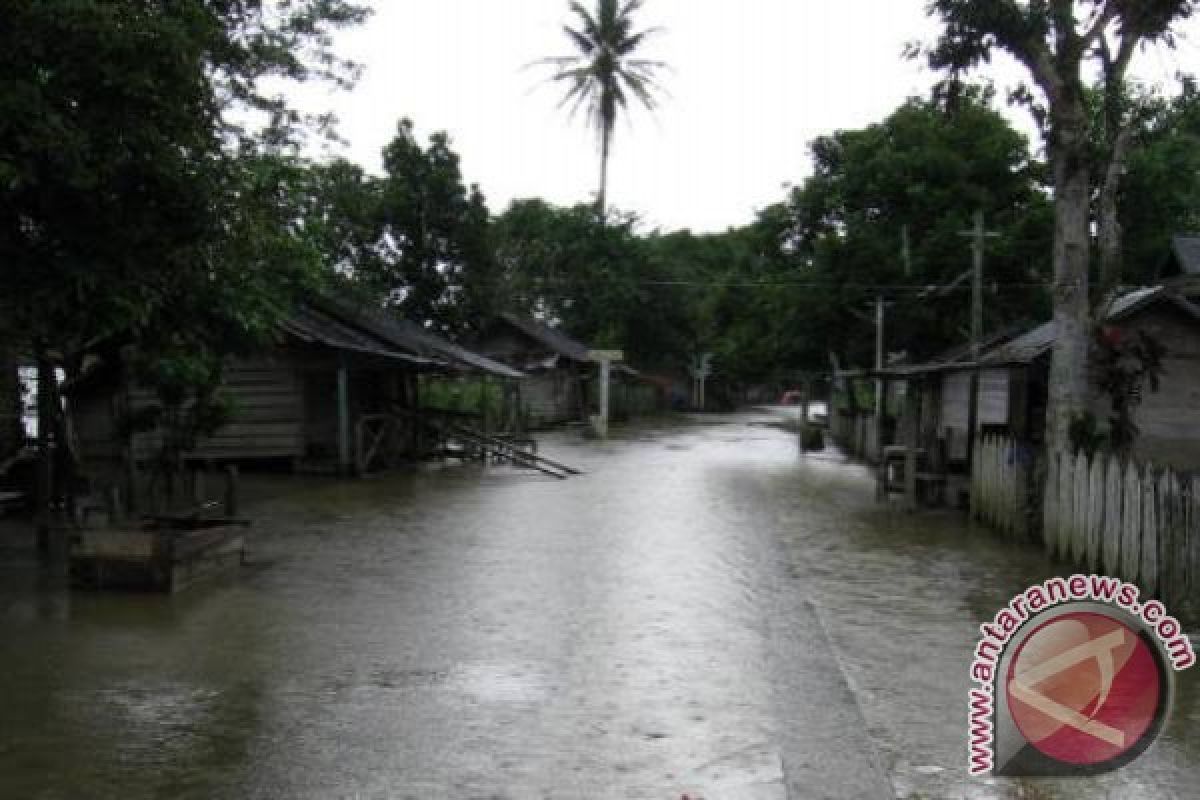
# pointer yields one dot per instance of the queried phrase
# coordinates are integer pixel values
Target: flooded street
(705, 611)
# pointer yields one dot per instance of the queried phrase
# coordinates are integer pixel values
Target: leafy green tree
(1160, 194)
(602, 281)
(125, 181)
(919, 174)
(605, 71)
(432, 259)
(1056, 41)
(146, 191)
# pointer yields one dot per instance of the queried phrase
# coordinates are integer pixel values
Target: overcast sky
(751, 84)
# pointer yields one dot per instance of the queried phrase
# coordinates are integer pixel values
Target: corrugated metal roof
(1023, 349)
(552, 338)
(312, 325)
(431, 342)
(1028, 346)
(407, 335)
(1130, 302)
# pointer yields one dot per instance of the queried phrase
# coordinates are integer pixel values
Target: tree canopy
(137, 194)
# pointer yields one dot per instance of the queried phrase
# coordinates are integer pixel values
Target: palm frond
(585, 43)
(603, 75)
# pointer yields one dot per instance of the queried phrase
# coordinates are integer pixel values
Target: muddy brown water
(706, 611)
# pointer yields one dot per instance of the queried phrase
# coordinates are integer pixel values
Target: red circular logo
(1085, 689)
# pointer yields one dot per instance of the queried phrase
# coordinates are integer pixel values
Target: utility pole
(700, 369)
(979, 236)
(880, 397)
(879, 405)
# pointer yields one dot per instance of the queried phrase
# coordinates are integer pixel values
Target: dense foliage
(145, 188)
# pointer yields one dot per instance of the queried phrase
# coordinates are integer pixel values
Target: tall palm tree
(604, 72)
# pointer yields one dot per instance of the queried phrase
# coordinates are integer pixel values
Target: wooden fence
(1003, 492)
(1117, 517)
(855, 433)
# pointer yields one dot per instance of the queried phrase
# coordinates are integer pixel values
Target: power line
(870, 287)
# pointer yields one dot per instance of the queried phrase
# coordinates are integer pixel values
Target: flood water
(705, 611)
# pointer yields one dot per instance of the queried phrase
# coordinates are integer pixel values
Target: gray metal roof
(1030, 345)
(407, 335)
(430, 342)
(1187, 253)
(316, 327)
(1023, 349)
(553, 338)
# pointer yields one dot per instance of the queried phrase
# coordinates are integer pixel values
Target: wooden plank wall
(995, 406)
(268, 415)
(855, 433)
(549, 397)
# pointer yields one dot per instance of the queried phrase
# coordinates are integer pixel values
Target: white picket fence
(1000, 485)
(1133, 521)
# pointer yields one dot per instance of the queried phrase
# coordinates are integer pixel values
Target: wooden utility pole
(880, 384)
(979, 236)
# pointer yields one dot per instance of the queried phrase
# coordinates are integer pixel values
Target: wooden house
(635, 393)
(1182, 269)
(337, 390)
(556, 367)
(1013, 379)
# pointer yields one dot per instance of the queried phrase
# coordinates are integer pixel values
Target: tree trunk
(1068, 389)
(602, 197)
(1109, 233)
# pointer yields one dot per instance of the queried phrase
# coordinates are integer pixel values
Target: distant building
(556, 367)
(337, 382)
(1013, 379)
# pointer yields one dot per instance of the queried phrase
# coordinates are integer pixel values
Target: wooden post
(880, 461)
(112, 503)
(199, 490)
(912, 428)
(45, 470)
(910, 478)
(972, 415)
(343, 412)
(978, 235)
(605, 359)
(880, 384)
(231, 491)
